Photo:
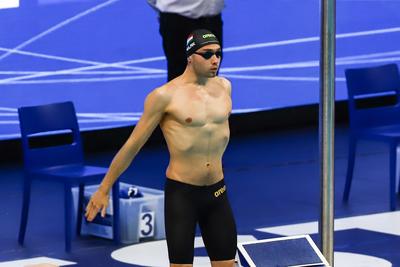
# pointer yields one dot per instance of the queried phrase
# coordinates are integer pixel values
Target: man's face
(206, 60)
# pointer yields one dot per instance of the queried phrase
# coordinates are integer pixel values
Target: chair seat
(391, 132)
(71, 173)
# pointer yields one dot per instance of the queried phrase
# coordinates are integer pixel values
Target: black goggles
(209, 54)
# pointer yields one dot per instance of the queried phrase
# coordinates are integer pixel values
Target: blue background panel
(106, 55)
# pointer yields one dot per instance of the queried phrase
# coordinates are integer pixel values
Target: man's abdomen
(195, 169)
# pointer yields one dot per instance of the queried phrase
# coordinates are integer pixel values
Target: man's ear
(189, 59)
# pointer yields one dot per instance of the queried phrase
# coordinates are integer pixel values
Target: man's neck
(189, 76)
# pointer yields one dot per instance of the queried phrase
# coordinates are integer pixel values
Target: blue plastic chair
(380, 123)
(61, 163)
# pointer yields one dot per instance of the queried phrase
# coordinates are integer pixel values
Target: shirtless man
(192, 111)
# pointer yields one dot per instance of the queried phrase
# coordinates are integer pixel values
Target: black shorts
(185, 206)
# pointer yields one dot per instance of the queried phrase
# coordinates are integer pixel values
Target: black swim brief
(185, 206)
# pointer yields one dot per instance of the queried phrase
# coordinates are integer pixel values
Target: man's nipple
(188, 120)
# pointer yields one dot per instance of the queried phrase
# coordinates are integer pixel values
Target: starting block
(292, 251)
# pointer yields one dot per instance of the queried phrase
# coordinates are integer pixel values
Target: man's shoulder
(225, 83)
(161, 94)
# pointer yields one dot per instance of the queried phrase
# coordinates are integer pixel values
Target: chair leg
(392, 183)
(79, 215)
(25, 209)
(67, 216)
(116, 225)
(398, 168)
(350, 168)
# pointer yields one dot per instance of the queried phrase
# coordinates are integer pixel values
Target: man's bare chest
(198, 110)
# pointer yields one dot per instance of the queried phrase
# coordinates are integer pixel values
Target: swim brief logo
(220, 191)
(208, 35)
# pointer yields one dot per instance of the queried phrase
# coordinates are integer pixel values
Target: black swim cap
(198, 39)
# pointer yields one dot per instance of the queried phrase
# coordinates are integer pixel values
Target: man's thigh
(180, 223)
(218, 230)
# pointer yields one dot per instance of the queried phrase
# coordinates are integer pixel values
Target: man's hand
(98, 201)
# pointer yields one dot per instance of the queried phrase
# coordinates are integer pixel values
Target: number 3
(147, 224)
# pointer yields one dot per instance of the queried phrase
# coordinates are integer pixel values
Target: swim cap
(198, 39)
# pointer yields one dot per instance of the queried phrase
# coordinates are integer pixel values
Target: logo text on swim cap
(208, 35)
(190, 46)
(220, 191)
(190, 38)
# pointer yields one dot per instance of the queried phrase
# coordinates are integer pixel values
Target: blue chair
(380, 123)
(58, 163)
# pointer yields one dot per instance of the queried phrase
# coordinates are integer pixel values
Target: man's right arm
(154, 109)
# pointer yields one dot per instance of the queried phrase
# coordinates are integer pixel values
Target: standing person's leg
(180, 223)
(215, 25)
(218, 227)
(174, 30)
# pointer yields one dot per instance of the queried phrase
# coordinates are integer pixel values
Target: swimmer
(192, 111)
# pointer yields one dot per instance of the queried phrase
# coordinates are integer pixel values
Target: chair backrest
(44, 120)
(367, 84)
